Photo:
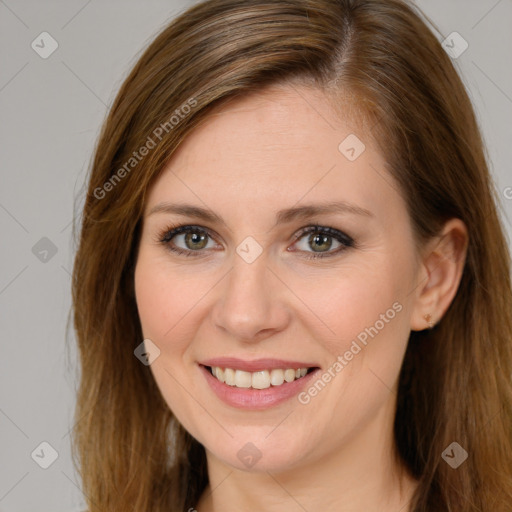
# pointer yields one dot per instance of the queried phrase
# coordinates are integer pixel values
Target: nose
(250, 305)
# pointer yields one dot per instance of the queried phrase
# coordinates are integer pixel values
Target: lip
(257, 365)
(256, 399)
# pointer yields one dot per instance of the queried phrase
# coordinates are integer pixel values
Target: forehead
(274, 148)
(274, 124)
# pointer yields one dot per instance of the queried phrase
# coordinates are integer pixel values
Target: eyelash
(165, 237)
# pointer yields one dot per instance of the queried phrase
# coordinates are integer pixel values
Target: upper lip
(256, 364)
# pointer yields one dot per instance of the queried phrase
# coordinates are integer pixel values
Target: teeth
(276, 377)
(289, 375)
(243, 379)
(219, 373)
(229, 376)
(260, 380)
(257, 380)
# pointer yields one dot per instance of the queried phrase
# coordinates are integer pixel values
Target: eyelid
(335, 233)
(346, 241)
(171, 231)
(182, 228)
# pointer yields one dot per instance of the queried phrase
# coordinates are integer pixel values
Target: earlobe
(442, 268)
(429, 320)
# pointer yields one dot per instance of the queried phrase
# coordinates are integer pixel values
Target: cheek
(162, 303)
(368, 330)
(162, 298)
(350, 300)
(153, 303)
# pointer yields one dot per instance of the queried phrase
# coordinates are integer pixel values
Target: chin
(257, 451)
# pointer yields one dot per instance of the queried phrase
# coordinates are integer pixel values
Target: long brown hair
(455, 384)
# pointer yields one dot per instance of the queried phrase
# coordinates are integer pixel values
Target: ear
(439, 275)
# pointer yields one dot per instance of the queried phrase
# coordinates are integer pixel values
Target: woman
(226, 363)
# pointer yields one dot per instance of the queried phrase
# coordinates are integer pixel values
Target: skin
(276, 149)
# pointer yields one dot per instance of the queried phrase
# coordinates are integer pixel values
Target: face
(265, 285)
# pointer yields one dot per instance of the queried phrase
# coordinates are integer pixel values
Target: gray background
(51, 113)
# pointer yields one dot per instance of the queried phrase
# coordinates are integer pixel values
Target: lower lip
(256, 399)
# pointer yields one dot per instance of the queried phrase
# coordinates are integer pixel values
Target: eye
(192, 238)
(320, 239)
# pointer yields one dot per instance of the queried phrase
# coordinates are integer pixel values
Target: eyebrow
(282, 217)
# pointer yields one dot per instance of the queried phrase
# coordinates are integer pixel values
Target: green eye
(194, 238)
(319, 239)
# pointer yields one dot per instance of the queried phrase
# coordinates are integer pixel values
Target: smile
(259, 385)
(257, 380)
